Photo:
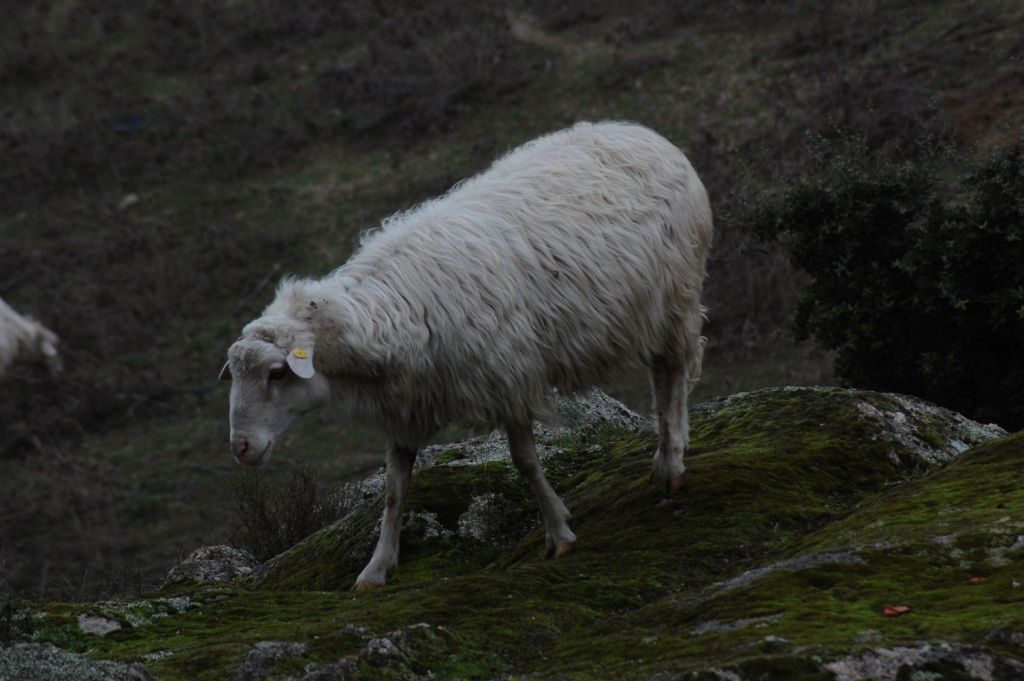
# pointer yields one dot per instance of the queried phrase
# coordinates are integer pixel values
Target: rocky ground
(821, 534)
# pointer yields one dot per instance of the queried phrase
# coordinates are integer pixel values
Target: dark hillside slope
(166, 163)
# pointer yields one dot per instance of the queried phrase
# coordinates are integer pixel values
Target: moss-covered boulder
(820, 533)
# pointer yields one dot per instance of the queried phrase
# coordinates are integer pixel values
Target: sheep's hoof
(560, 550)
(672, 485)
(365, 585)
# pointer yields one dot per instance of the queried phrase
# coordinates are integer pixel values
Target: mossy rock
(805, 513)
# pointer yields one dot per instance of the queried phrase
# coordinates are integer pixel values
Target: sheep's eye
(277, 373)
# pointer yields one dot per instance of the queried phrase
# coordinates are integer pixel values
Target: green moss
(773, 477)
(969, 498)
(449, 455)
(66, 636)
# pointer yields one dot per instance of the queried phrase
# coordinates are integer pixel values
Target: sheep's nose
(239, 446)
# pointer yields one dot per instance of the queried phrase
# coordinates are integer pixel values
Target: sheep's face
(270, 387)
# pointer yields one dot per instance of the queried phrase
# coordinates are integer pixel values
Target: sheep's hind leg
(559, 539)
(670, 391)
(397, 476)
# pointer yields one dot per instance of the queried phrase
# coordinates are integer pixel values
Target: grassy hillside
(167, 162)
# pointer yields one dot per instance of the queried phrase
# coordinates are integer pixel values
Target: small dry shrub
(274, 514)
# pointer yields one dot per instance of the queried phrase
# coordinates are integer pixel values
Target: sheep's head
(273, 381)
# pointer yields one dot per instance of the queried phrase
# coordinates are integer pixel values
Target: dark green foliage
(15, 621)
(274, 515)
(916, 283)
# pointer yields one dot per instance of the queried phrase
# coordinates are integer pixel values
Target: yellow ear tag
(301, 362)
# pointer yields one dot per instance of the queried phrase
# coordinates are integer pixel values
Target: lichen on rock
(103, 617)
(213, 564)
(264, 656)
(888, 664)
(931, 433)
(47, 662)
(94, 624)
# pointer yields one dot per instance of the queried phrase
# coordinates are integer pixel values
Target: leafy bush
(916, 282)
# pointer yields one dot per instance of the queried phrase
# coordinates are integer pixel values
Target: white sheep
(23, 340)
(575, 255)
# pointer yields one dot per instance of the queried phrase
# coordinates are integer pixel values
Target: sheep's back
(568, 258)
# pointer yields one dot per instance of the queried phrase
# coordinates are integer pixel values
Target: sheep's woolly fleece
(577, 254)
(25, 340)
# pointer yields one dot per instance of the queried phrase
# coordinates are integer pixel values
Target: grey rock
(133, 613)
(213, 564)
(716, 627)
(354, 629)
(799, 563)
(100, 626)
(340, 670)
(47, 662)
(910, 418)
(1007, 636)
(713, 673)
(884, 664)
(157, 655)
(772, 643)
(382, 647)
(425, 524)
(869, 636)
(933, 434)
(593, 410)
(487, 520)
(569, 415)
(259, 663)
(390, 652)
(725, 675)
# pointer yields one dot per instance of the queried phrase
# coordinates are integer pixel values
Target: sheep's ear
(225, 373)
(300, 360)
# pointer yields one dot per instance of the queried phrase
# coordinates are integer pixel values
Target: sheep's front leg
(559, 538)
(397, 476)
